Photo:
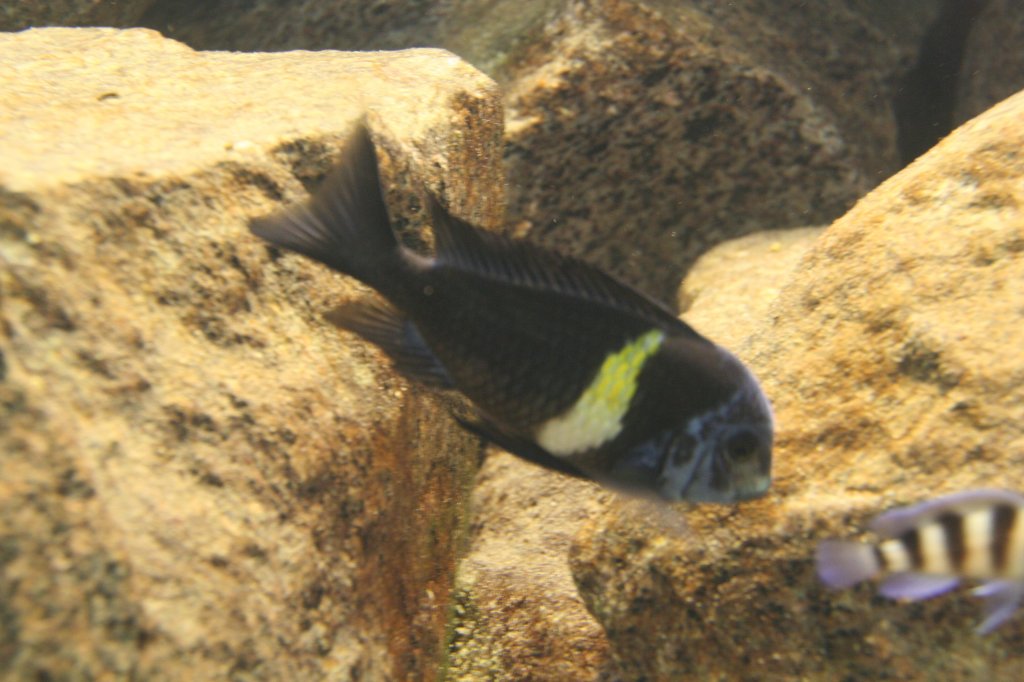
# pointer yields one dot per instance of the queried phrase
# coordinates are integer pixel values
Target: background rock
(736, 117)
(993, 65)
(727, 292)
(626, 117)
(269, 25)
(893, 361)
(798, 124)
(623, 128)
(201, 479)
(15, 16)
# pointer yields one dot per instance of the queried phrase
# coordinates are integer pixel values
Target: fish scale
(540, 355)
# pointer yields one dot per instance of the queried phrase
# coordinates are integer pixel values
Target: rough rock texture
(517, 612)
(627, 114)
(201, 479)
(518, 615)
(993, 64)
(796, 124)
(21, 14)
(625, 125)
(643, 131)
(894, 362)
(727, 292)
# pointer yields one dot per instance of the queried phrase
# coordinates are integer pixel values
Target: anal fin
(397, 336)
(916, 586)
(1002, 598)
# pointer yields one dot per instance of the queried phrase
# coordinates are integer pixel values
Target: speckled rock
(643, 131)
(517, 613)
(201, 479)
(20, 14)
(893, 359)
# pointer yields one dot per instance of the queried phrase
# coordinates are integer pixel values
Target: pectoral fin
(397, 336)
(1002, 597)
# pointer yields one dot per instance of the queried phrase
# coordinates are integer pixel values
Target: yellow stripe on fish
(596, 417)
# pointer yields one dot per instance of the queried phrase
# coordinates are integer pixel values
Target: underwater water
(554, 340)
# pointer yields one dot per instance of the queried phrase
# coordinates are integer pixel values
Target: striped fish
(567, 367)
(928, 548)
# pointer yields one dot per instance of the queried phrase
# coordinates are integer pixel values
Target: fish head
(723, 454)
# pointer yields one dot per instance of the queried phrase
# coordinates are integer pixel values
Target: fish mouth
(689, 484)
(752, 492)
(756, 489)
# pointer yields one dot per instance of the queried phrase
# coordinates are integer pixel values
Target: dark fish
(567, 367)
(926, 549)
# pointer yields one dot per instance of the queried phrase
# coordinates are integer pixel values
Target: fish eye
(741, 445)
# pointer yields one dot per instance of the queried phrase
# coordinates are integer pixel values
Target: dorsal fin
(518, 262)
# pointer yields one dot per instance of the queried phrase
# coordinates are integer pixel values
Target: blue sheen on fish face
(723, 455)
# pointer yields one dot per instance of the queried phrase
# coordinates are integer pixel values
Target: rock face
(641, 132)
(201, 479)
(727, 293)
(177, 503)
(626, 115)
(626, 118)
(894, 362)
(517, 613)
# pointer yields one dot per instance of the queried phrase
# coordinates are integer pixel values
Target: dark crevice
(926, 98)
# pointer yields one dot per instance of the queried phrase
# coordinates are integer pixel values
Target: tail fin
(345, 225)
(842, 564)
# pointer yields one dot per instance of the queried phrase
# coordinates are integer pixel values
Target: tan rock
(518, 615)
(727, 292)
(893, 359)
(583, 73)
(642, 132)
(201, 479)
